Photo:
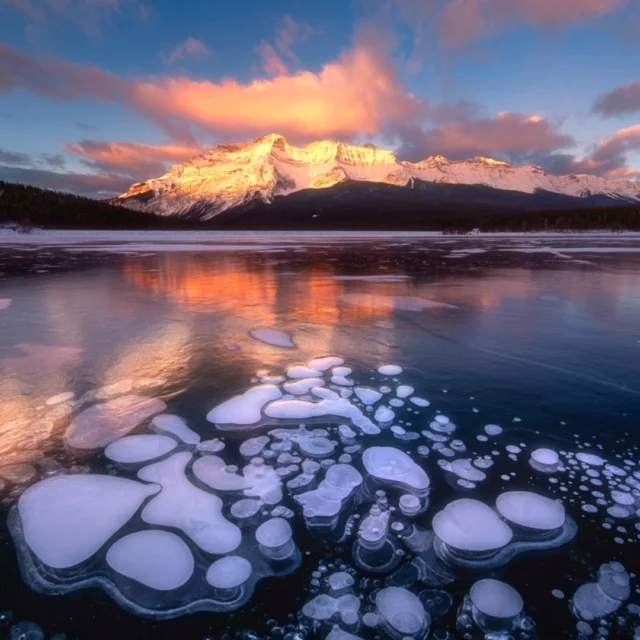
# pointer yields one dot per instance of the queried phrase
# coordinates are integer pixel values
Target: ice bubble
(263, 481)
(402, 612)
(158, 559)
(253, 446)
(390, 370)
(341, 381)
(531, 510)
(316, 446)
(139, 448)
(404, 391)
(322, 607)
(302, 409)
(590, 459)
(396, 402)
(273, 338)
(245, 508)
(367, 395)
(466, 471)
(409, 504)
(493, 430)
(621, 497)
(512, 448)
(341, 372)
(325, 363)
(274, 533)
(302, 386)
(26, 630)
(213, 471)
(556, 593)
(346, 431)
(325, 394)
(176, 426)
(546, 457)
(394, 466)
(598, 599)
(182, 505)
(101, 424)
(337, 633)
(67, 519)
(496, 599)
(384, 414)
(229, 572)
(340, 580)
(420, 402)
(244, 409)
(210, 446)
(301, 371)
(60, 398)
(470, 525)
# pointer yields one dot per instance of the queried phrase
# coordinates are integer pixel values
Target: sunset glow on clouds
(364, 91)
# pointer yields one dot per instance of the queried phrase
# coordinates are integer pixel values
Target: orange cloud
(271, 62)
(137, 160)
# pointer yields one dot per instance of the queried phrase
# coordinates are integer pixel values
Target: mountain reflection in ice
(374, 442)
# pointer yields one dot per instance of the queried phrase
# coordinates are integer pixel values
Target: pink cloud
(619, 101)
(190, 48)
(136, 160)
(271, 62)
(460, 22)
(512, 136)
(290, 33)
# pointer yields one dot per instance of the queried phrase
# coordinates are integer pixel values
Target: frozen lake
(266, 436)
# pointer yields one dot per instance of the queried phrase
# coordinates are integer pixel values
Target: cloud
(460, 22)
(619, 101)
(510, 136)
(79, 183)
(290, 33)
(190, 48)
(88, 15)
(272, 63)
(15, 158)
(136, 161)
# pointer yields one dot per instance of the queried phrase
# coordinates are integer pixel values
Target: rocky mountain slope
(237, 175)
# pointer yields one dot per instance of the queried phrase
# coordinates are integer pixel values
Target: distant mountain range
(271, 184)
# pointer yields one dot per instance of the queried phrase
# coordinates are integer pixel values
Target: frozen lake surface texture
(329, 436)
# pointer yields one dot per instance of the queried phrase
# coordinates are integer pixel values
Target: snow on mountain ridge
(233, 174)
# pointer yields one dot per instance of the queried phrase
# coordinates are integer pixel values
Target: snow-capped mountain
(236, 174)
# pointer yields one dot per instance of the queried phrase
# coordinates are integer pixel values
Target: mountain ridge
(236, 174)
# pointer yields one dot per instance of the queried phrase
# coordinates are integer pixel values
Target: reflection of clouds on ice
(5, 303)
(29, 358)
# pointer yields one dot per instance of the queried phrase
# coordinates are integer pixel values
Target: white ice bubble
(274, 533)
(547, 457)
(210, 446)
(229, 572)
(158, 559)
(182, 505)
(325, 363)
(303, 409)
(394, 466)
(303, 385)
(253, 446)
(139, 448)
(402, 611)
(470, 525)
(590, 459)
(419, 402)
(60, 398)
(493, 429)
(384, 414)
(367, 396)
(531, 510)
(341, 372)
(175, 425)
(103, 423)
(622, 497)
(67, 519)
(496, 599)
(390, 370)
(340, 580)
(273, 337)
(404, 391)
(301, 371)
(214, 472)
(245, 508)
(341, 381)
(465, 470)
(245, 409)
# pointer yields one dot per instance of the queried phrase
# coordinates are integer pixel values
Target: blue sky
(420, 76)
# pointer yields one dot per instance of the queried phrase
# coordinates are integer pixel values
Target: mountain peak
(234, 174)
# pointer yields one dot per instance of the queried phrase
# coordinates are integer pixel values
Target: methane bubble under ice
(158, 559)
(67, 519)
(167, 423)
(139, 448)
(273, 337)
(246, 409)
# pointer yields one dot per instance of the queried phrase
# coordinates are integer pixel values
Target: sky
(98, 94)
